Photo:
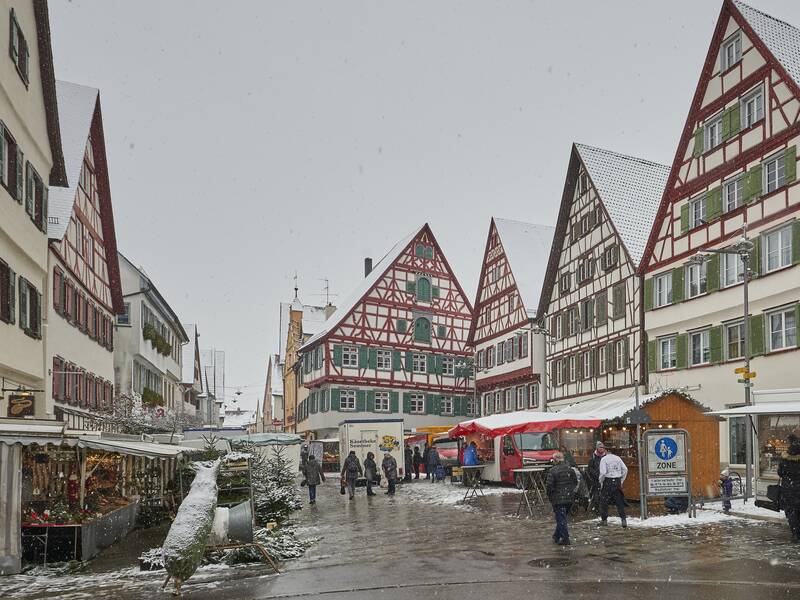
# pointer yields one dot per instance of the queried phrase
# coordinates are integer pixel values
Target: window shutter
(312, 397)
(681, 351)
(20, 175)
(363, 357)
(713, 273)
(752, 184)
(651, 356)
(423, 289)
(370, 400)
(590, 320)
(431, 360)
(565, 324)
(3, 160)
(409, 361)
(337, 355)
(29, 188)
(699, 144)
(685, 218)
(372, 363)
(796, 321)
(755, 257)
(411, 287)
(609, 357)
(45, 200)
(12, 296)
(402, 326)
(406, 402)
(458, 401)
(432, 404)
(648, 293)
(394, 401)
(441, 331)
(790, 164)
(361, 400)
(397, 361)
(23, 303)
(677, 285)
(419, 251)
(735, 119)
(335, 403)
(435, 291)
(579, 366)
(626, 352)
(757, 335)
(715, 344)
(796, 245)
(38, 321)
(714, 203)
(429, 252)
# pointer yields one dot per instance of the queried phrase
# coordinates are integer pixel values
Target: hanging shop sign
(21, 404)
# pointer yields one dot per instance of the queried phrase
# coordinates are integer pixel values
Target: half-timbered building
(592, 296)
(734, 173)
(509, 347)
(83, 269)
(398, 347)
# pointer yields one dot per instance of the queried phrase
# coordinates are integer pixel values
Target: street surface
(424, 543)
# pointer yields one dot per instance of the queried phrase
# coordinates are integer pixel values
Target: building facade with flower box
(398, 347)
(735, 166)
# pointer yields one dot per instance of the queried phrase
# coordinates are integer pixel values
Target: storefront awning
(133, 448)
(766, 408)
(522, 422)
(44, 434)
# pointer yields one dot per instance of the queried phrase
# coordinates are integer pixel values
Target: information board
(668, 463)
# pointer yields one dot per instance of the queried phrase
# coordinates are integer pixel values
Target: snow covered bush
(275, 493)
(281, 544)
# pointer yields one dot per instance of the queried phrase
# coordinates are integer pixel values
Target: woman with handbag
(789, 472)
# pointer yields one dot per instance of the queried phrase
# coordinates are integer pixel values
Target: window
(752, 108)
(620, 355)
(417, 404)
(419, 363)
(774, 173)
(523, 345)
(383, 360)
(349, 356)
(520, 393)
(501, 356)
(30, 309)
(564, 282)
(7, 293)
(732, 192)
(508, 350)
(347, 399)
(510, 303)
(737, 430)
(732, 269)
(423, 251)
(480, 359)
(446, 407)
(35, 198)
(782, 329)
(713, 132)
(498, 402)
(618, 308)
(533, 395)
(488, 403)
(381, 401)
(559, 369)
(18, 48)
(490, 357)
(667, 353)
(422, 330)
(573, 320)
(696, 279)
(601, 360)
(587, 314)
(778, 249)
(557, 330)
(610, 257)
(423, 289)
(508, 404)
(472, 407)
(662, 288)
(731, 51)
(701, 350)
(448, 365)
(697, 212)
(734, 340)
(585, 270)
(125, 317)
(572, 366)
(11, 164)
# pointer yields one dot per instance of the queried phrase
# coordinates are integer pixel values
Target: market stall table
(472, 479)
(533, 488)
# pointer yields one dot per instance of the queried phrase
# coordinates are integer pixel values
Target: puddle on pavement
(553, 562)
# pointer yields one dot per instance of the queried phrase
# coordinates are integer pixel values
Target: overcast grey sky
(248, 140)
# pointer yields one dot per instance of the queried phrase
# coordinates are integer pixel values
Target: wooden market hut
(666, 410)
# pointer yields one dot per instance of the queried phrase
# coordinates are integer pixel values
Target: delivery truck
(372, 435)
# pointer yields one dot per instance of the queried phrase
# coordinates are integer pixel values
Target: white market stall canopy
(767, 402)
(45, 434)
(522, 422)
(610, 409)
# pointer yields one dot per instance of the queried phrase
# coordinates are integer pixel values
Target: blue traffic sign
(666, 448)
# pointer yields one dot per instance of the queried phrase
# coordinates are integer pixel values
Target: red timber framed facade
(397, 348)
(735, 168)
(509, 347)
(83, 268)
(591, 302)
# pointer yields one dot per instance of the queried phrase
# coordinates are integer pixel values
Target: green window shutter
(714, 203)
(713, 273)
(423, 289)
(677, 285)
(363, 357)
(648, 293)
(796, 244)
(397, 360)
(406, 402)
(715, 344)
(361, 400)
(322, 405)
(757, 341)
(394, 400)
(626, 353)
(419, 251)
(435, 291)
(682, 351)
(313, 402)
(429, 252)
(402, 326)
(726, 124)
(411, 287)
(422, 330)
(372, 363)
(734, 116)
(337, 355)
(752, 184)
(45, 204)
(409, 361)
(755, 257)
(790, 164)
(335, 403)
(591, 310)
(432, 404)
(699, 144)
(370, 400)
(431, 358)
(23, 303)
(441, 331)
(601, 308)
(458, 403)
(685, 218)
(651, 356)
(578, 368)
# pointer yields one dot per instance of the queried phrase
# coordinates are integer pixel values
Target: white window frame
(713, 132)
(523, 345)
(498, 402)
(732, 270)
(350, 356)
(382, 402)
(702, 337)
(610, 256)
(572, 366)
(472, 407)
(488, 403)
(383, 360)
(490, 357)
(448, 366)
(774, 173)
(520, 394)
(752, 107)
(559, 333)
(446, 406)
(480, 359)
(667, 353)
(508, 350)
(787, 330)
(619, 355)
(740, 342)
(417, 404)
(419, 363)
(662, 290)
(508, 399)
(696, 279)
(500, 354)
(698, 211)
(731, 52)
(601, 361)
(733, 193)
(782, 253)
(533, 395)
(559, 368)
(586, 364)
(347, 400)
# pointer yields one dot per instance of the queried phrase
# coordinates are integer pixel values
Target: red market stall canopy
(522, 422)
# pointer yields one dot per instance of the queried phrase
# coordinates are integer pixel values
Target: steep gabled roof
(526, 246)
(313, 321)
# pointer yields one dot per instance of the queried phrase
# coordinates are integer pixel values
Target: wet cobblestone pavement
(425, 543)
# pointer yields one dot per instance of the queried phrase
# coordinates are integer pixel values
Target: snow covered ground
(443, 494)
(739, 507)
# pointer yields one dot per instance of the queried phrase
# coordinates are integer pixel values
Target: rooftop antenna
(295, 285)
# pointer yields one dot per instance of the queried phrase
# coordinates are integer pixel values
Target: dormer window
(423, 251)
(731, 51)
(18, 48)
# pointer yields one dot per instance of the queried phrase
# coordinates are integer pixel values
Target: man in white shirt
(612, 474)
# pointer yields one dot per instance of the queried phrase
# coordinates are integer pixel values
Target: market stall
(265, 444)
(664, 410)
(330, 455)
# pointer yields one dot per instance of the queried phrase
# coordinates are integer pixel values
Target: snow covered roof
(363, 287)
(780, 38)
(631, 189)
(76, 105)
(313, 322)
(526, 246)
(608, 409)
(239, 418)
(522, 421)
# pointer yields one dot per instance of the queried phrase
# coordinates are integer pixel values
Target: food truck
(775, 414)
(372, 435)
(510, 441)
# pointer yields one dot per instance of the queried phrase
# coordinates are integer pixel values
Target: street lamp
(743, 249)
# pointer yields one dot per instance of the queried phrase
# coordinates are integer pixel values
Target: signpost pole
(641, 459)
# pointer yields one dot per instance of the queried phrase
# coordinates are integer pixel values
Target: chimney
(329, 310)
(367, 266)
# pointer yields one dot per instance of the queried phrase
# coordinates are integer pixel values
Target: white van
(372, 435)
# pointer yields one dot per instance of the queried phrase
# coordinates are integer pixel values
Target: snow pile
(704, 517)
(445, 494)
(237, 456)
(739, 507)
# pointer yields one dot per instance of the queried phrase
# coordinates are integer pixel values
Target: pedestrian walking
(568, 458)
(593, 476)
(425, 453)
(561, 483)
(726, 483)
(432, 463)
(789, 472)
(408, 455)
(389, 466)
(370, 472)
(351, 471)
(314, 476)
(612, 475)
(417, 461)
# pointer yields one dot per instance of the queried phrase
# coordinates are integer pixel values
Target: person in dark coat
(303, 460)
(425, 453)
(409, 462)
(726, 484)
(568, 458)
(389, 466)
(314, 476)
(417, 461)
(593, 475)
(370, 472)
(789, 472)
(432, 463)
(561, 483)
(351, 471)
